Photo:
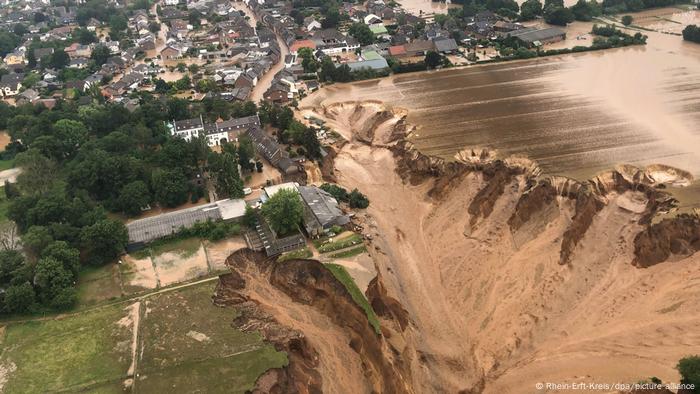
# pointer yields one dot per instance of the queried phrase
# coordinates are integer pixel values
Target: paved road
(265, 82)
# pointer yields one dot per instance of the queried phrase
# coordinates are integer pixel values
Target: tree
(19, 298)
(250, 219)
(246, 153)
(308, 60)
(692, 33)
(36, 239)
(560, 16)
(51, 278)
(331, 20)
(133, 197)
(100, 54)
(627, 20)
(362, 33)
(283, 211)
(339, 193)
(689, 369)
(59, 59)
(72, 135)
(65, 254)
(432, 59)
(8, 42)
(170, 187)
(161, 86)
(585, 10)
(228, 181)
(104, 241)
(357, 199)
(85, 36)
(10, 262)
(118, 23)
(530, 9)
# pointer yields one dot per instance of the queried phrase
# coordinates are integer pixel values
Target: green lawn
(190, 346)
(349, 252)
(303, 253)
(342, 275)
(98, 284)
(185, 345)
(6, 164)
(80, 351)
(327, 246)
(4, 205)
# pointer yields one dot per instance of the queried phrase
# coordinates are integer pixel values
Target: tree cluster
(355, 199)
(283, 211)
(691, 33)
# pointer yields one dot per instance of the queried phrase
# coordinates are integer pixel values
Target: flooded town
(327, 196)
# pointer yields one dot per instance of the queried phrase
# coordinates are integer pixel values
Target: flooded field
(575, 115)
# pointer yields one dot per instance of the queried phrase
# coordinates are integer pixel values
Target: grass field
(83, 351)
(342, 275)
(349, 252)
(337, 244)
(4, 205)
(185, 345)
(7, 164)
(97, 284)
(303, 253)
(189, 346)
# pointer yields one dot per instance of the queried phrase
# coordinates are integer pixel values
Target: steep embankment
(510, 277)
(301, 308)
(491, 276)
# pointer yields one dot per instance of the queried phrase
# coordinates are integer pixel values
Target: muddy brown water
(576, 115)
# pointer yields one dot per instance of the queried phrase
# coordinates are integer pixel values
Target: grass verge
(349, 252)
(346, 242)
(303, 253)
(342, 275)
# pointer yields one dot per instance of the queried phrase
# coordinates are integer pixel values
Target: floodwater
(575, 115)
(418, 7)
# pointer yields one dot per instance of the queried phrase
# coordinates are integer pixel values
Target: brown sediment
(471, 291)
(303, 310)
(489, 308)
(679, 236)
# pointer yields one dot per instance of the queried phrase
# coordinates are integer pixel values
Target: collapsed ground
(490, 279)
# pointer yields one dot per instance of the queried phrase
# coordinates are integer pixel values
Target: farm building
(149, 229)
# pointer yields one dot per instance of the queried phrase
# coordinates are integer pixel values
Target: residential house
(321, 211)
(271, 151)
(10, 84)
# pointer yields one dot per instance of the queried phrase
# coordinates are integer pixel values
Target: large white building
(216, 133)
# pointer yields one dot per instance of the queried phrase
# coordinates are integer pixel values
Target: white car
(247, 191)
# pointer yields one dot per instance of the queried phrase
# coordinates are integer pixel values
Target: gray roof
(538, 35)
(445, 44)
(152, 228)
(148, 229)
(323, 206)
(375, 64)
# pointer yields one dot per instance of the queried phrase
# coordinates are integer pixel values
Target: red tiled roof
(397, 50)
(302, 44)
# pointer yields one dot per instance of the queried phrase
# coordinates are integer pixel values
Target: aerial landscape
(362, 196)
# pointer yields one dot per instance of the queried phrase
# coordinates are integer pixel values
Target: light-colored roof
(231, 208)
(272, 190)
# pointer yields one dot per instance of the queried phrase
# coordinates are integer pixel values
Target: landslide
(301, 308)
(507, 276)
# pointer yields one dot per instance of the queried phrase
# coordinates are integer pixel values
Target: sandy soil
(487, 310)
(217, 252)
(138, 273)
(4, 140)
(360, 267)
(10, 175)
(335, 354)
(174, 267)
